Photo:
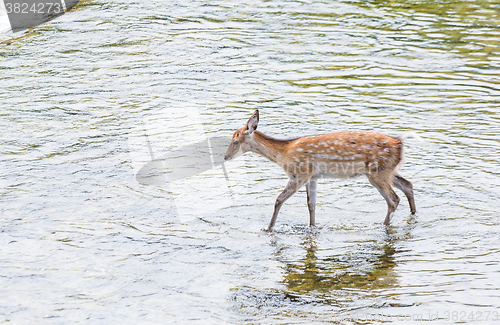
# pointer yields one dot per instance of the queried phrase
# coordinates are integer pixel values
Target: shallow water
(89, 99)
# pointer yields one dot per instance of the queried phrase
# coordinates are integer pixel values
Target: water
(88, 99)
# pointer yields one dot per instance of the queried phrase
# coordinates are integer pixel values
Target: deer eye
(236, 142)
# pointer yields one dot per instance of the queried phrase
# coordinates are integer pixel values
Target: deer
(339, 154)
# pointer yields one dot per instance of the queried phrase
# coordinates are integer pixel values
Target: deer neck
(272, 149)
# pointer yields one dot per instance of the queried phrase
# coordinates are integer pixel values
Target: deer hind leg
(407, 187)
(293, 185)
(382, 183)
(311, 201)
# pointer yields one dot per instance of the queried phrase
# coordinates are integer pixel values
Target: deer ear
(253, 122)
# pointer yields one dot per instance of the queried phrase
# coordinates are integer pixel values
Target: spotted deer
(335, 154)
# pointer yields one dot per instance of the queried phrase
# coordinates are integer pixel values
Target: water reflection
(334, 281)
(369, 269)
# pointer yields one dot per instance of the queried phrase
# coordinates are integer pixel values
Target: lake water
(89, 99)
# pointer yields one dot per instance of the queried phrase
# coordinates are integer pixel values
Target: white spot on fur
(331, 157)
(299, 149)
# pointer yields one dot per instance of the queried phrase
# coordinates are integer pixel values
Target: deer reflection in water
(332, 278)
(334, 283)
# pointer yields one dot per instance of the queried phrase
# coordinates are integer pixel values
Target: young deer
(335, 154)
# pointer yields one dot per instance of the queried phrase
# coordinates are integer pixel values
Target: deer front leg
(311, 201)
(293, 185)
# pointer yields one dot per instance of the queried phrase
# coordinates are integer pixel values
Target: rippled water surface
(87, 100)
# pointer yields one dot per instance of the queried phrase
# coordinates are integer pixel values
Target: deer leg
(293, 185)
(383, 184)
(311, 201)
(407, 187)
